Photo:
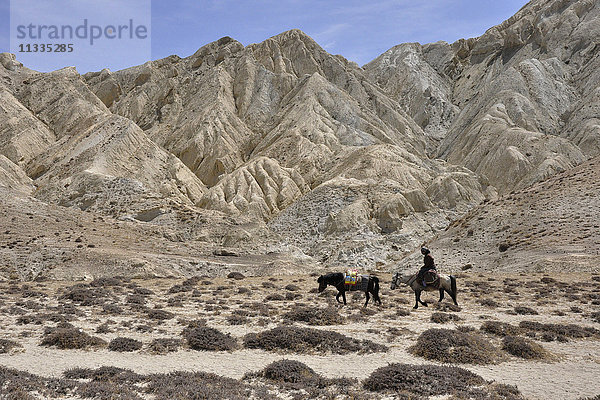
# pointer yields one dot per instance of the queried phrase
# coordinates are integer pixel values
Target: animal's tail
(453, 286)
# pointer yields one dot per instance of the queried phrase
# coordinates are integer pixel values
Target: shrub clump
(421, 380)
(315, 316)
(560, 332)
(452, 346)
(70, 338)
(124, 344)
(159, 315)
(524, 348)
(104, 374)
(6, 345)
(196, 385)
(307, 340)
(500, 328)
(489, 303)
(442, 318)
(209, 339)
(164, 345)
(106, 391)
(521, 310)
(295, 375)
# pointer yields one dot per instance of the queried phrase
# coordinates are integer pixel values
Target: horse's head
(395, 281)
(398, 279)
(322, 283)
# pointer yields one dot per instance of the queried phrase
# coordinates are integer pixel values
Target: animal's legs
(441, 295)
(417, 294)
(453, 295)
(367, 295)
(423, 303)
(337, 297)
(344, 296)
(376, 297)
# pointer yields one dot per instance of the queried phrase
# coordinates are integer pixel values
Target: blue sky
(356, 29)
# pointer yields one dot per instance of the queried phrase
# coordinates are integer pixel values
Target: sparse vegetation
(551, 332)
(124, 344)
(315, 316)
(6, 345)
(70, 338)
(164, 345)
(160, 315)
(451, 346)
(307, 340)
(209, 339)
(522, 310)
(442, 318)
(421, 380)
(524, 348)
(500, 328)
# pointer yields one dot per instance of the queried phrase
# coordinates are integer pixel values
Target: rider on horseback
(429, 265)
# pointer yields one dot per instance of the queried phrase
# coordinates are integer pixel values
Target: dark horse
(337, 279)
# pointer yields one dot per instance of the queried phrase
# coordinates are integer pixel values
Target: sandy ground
(573, 374)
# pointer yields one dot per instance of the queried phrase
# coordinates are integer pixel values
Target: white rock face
(13, 177)
(260, 188)
(508, 93)
(280, 146)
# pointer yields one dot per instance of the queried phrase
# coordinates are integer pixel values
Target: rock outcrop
(282, 147)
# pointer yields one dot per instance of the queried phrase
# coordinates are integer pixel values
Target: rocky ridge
(280, 145)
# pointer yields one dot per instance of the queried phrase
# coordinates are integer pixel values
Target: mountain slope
(534, 71)
(551, 226)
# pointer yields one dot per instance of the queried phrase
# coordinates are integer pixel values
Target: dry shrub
(421, 380)
(106, 282)
(446, 307)
(209, 339)
(85, 295)
(521, 310)
(294, 375)
(524, 348)
(124, 344)
(489, 303)
(452, 346)
(315, 316)
(16, 385)
(164, 345)
(290, 371)
(70, 338)
(595, 316)
(238, 276)
(160, 315)
(104, 374)
(236, 319)
(136, 298)
(6, 345)
(403, 312)
(500, 328)
(275, 297)
(307, 340)
(551, 332)
(442, 318)
(180, 289)
(196, 385)
(106, 391)
(112, 309)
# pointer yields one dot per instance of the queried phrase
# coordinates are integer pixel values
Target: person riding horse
(429, 265)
